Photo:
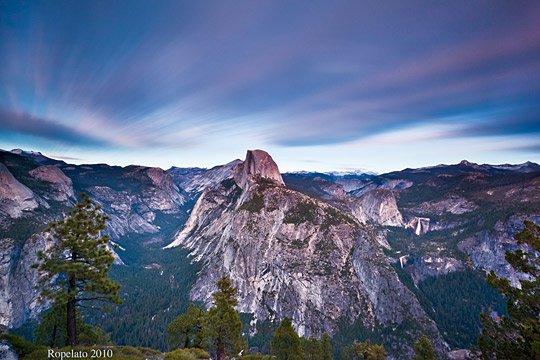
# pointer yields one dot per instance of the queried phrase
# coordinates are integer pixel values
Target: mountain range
(387, 257)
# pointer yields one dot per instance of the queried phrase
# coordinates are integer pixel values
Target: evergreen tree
(368, 351)
(326, 347)
(312, 348)
(187, 330)
(516, 336)
(285, 344)
(52, 330)
(423, 349)
(224, 328)
(346, 353)
(76, 267)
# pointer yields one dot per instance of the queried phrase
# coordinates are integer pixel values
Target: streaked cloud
(178, 77)
(26, 124)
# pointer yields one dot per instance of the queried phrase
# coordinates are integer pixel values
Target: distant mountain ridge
(316, 247)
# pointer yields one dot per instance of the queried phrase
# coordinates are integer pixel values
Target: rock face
(258, 164)
(164, 195)
(62, 186)
(293, 256)
(378, 206)
(487, 249)
(19, 297)
(281, 264)
(423, 267)
(456, 205)
(136, 199)
(134, 209)
(15, 198)
(195, 180)
(6, 351)
(387, 184)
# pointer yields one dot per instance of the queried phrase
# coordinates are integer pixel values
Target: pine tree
(326, 346)
(187, 330)
(224, 328)
(312, 348)
(368, 351)
(424, 349)
(52, 330)
(285, 344)
(516, 336)
(75, 268)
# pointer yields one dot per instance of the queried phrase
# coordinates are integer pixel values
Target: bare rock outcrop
(62, 186)
(15, 198)
(293, 256)
(196, 180)
(487, 249)
(18, 295)
(378, 206)
(453, 204)
(258, 164)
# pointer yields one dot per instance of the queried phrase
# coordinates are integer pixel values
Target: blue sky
(320, 85)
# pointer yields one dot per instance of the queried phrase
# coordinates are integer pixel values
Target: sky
(320, 85)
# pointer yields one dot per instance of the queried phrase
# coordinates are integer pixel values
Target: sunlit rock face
(378, 206)
(293, 256)
(15, 198)
(258, 164)
(61, 185)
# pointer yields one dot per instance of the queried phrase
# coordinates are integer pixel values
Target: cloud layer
(175, 75)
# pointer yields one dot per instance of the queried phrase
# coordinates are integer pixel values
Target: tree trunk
(53, 337)
(186, 342)
(71, 314)
(220, 351)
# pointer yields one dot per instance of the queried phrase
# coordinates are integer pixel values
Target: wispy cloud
(175, 75)
(26, 124)
(63, 157)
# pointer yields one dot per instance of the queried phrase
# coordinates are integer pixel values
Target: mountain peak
(467, 163)
(258, 163)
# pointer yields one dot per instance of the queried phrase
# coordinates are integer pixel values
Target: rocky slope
(61, 185)
(19, 298)
(15, 198)
(442, 205)
(195, 180)
(319, 248)
(294, 256)
(35, 190)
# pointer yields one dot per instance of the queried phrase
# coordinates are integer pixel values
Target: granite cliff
(294, 256)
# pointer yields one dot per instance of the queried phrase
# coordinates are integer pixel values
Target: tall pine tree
(187, 330)
(76, 267)
(223, 325)
(312, 348)
(52, 330)
(423, 349)
(326, 347)
(286, 343)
